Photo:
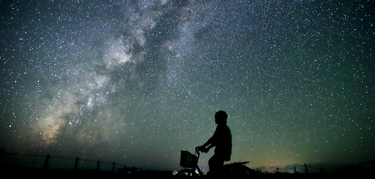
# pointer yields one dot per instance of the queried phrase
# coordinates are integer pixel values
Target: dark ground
(8, 172)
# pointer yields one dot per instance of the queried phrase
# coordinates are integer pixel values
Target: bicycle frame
(190, 164)
(191, 169)
(197, 167)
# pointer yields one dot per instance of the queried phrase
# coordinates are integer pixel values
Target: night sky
(136, 82)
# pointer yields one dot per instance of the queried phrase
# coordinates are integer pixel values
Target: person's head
(221, 117)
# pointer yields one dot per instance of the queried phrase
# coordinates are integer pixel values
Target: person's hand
(200, 148)
(203, 149)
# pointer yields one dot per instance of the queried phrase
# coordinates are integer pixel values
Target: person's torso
(223, 143)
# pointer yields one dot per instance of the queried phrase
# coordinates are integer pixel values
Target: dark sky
(136, 82)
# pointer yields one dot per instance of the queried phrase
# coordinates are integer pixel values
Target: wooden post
(97, 166)
(75, 166)
(295, 171)
(113, 168)
(306, 168)
(46, 162)
(277, 170)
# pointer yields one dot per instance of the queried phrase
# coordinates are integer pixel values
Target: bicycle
(189, 162)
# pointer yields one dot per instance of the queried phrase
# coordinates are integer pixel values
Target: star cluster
(137, 81)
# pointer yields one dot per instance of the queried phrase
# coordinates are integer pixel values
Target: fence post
(306, 168)
(97, 166)
(46, 162)
(75, 166)
(295, 171)
(113, 168)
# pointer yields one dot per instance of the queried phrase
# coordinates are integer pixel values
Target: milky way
(136, 82)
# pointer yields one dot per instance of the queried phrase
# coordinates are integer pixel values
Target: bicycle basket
(188, 160)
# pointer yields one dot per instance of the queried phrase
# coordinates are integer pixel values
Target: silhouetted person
(221, 140)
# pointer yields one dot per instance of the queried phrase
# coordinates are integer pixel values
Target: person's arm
(204, 147)
(210, 143)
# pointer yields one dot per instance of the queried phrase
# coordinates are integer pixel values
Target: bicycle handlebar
(197, 150)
